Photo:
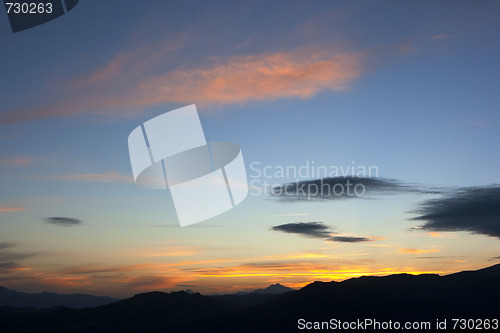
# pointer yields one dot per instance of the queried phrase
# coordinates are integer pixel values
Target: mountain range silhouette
(401, 297)
(47, 300)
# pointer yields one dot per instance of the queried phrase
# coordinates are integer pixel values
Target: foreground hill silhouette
(255, 296)
(402, 297)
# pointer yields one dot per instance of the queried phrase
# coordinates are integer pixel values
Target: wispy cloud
(172, 251)
(303, 270)
(474, 209)
(63, 221)
(9, 256)
(317, 230)
(293, 214)
(434, 234)
(417, 251)
(126, 85)
(10, 267)
(240, 79)
(6, 245)
(150, 282)
(4, 209)
(93, 269)
(15, 161)
(479, 124)
(9, 261)
(439, 36)
(107, 177)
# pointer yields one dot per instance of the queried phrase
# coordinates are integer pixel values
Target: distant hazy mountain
(47, 300)
(401, 297)
(255, 296)
(148, 312)
(274, 289)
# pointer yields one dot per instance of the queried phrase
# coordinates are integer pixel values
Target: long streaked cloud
(7, 267)
(15, 161)
(63, 221)
(318, 230)
(173, 251)
(9, 260)
(106, 177)
(6, 245)
(310, 271)
(237, 274)
(240, 79)
(7, 209)
(439, 36)
(98, 269)
(474, 209)
(126, 86)
(417, 251)
(345, 187)
(9, 256)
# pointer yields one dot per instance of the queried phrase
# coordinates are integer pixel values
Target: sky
(405, 90)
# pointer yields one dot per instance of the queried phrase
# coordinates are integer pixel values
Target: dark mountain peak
(320, 283)
(150, 294)
(274, 289)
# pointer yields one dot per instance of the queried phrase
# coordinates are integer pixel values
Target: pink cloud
(16, 161)
(108, 177)
(11, 209)
(241, 79)
(120, 88)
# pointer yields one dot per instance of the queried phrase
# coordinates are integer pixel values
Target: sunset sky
(410, 89)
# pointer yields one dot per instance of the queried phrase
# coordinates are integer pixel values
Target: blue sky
(408, 87)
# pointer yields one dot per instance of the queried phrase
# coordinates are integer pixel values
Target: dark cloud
(8, 256)
(495, 258)
(6, 245)
(6, 267)
(308, 229)
(474, 209)
(8, 259)
(317, 230)
(63, 221)
(346, 239)
(343, 188)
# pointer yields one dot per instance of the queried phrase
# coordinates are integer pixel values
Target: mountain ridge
(44, 300)
(398, 297)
